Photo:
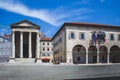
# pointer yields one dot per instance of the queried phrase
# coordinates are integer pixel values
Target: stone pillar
(69, 57)
(21, 44)
(98, 46)
(13, 44)
(37, 49)
(86, 56)
(12, 58)
(37, 46)
(108, 57)
(97, 56)
(30, 50)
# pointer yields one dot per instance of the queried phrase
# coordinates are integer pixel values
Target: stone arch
(92, 54)
(115, 54)
(79, 54)
(103, 54)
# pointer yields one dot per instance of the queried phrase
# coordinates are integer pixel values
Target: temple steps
(25, 60)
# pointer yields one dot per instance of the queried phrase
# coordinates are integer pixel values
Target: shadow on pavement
(101, 78)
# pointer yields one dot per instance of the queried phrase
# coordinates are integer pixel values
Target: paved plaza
(57, 72)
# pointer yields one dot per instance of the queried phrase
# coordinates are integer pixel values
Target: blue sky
(51, 14)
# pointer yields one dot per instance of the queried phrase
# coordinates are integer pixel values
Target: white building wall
(5, 50)
(70, 43)
(60, 47)
(45, 53)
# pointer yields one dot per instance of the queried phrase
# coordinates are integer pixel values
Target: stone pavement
(57, 72)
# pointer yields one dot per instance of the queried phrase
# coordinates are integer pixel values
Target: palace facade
(83, 43)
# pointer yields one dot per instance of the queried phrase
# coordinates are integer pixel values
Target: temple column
(37, 49)
(12, 58)
(13, 44)
(37, 46)
(30, 50)
(21, 45)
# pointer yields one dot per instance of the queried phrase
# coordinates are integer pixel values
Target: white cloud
(54, 17)
(48, 32)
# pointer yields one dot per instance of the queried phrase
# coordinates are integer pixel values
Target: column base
(38, 60)
(11, 60)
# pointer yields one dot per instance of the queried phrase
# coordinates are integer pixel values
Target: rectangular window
(47, 49)
(48, 43)
(72, 35)
(111, 37)
(43, 49)
(43, 43)
(118, 37)
(82, 36)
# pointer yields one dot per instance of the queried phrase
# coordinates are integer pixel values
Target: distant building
(46, 50)
(5, 48)
(83, 43)
(7, 36)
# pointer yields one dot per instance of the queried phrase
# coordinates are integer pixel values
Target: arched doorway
(92, 54)
(103, 54)
(79, 54)
(115, 54)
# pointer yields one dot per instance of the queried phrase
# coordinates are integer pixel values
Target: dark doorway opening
(25, 50)
(94, 59)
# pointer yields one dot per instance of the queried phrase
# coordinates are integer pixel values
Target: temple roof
(24, 24)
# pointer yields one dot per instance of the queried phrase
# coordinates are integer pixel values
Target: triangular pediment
(24, 24)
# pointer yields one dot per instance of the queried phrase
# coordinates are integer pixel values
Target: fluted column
(21, 44)
(13, 44)
(30, 50)
(37, 46)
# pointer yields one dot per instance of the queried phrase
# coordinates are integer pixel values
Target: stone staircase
(25, 60)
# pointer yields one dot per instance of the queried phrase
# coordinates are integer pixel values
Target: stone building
(46, 50)
(83, 43)
(25, 41)
(5, 48)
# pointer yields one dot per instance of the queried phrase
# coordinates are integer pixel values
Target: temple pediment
(24, 24)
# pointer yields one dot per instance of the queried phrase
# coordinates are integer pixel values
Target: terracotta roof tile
(46, 39)
(85, 23)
